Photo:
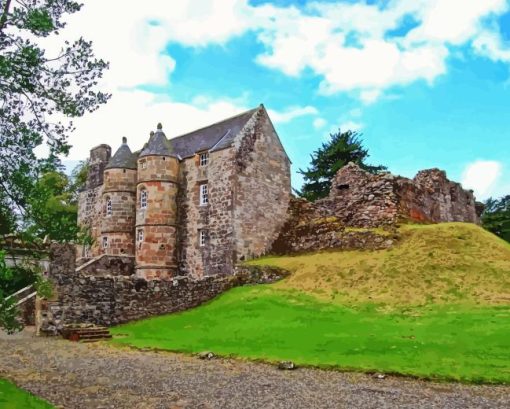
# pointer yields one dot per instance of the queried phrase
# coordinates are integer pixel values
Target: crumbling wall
(363, 210)
(110, 300)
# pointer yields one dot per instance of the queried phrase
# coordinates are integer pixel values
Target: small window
(139, 237)
(108, 206)
(204, 195)
(143, 164)
(105, 242)
(202, 237)
(204, 159)
(143, 198)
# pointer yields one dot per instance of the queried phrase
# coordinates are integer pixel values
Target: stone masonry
(191, 206)
(363, 210)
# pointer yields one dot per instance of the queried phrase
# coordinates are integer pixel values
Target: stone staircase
(86, 333)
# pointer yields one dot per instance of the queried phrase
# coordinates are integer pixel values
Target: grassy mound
(11, 397)
(465, 343)
(441, 263)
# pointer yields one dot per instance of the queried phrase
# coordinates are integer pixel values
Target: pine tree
(344, 147)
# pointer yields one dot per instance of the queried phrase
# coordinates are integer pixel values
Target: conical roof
(158, 145)
(123, 158)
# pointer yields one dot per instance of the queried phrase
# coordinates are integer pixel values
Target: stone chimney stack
(99, 157)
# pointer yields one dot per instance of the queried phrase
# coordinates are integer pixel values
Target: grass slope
(441, 263)
(435, 306)
(11, 397)
(259, 322)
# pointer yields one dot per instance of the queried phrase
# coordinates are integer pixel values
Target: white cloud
(292, 113)
(350, 126)
(482, 176)
(349, 47)
(319, 123)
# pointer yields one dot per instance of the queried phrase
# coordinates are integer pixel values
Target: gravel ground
(72, 375)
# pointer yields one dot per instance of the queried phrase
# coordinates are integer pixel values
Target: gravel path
(72, 375)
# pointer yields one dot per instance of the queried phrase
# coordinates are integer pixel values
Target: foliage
(8, 310)
(12, 397)
(344, 147)
(13, 279)
(496, 217)
(40, 94)
(468, 343)
(52, 209)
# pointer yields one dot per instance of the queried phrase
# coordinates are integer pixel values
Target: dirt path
(72, 375)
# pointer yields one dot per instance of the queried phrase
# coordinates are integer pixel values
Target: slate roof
(213, 137)
(123, 158)
(158, 145)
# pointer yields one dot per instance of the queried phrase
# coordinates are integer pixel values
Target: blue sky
(427, 82)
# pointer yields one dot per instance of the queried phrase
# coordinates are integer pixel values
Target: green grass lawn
(458, 342)
(12, 397)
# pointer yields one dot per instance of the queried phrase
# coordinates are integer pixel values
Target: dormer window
(204, 159)
(143, 198)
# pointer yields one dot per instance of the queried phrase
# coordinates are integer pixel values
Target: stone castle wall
(113, 299)
(215, 218)
(262, 187)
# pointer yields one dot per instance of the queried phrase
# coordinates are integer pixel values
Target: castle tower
(156, 209)
(119, 201)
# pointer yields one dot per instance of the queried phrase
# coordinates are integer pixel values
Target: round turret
(119, 203)
(156, 209)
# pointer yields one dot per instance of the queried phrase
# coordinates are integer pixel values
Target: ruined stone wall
(217, 255)
(306, 230)
(363, 210)
(262, 187)
(361, 199)
(431, 197)
(110, 300)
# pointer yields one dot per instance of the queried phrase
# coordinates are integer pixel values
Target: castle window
(139, 237)
(204, 159)
(105, 242)
(202, 237)
(108, 206)
(143, 198)
(143, 164)
(204, 195)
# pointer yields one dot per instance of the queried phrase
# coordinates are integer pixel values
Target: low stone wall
(111, 300)
(104, 264)
(305, 231)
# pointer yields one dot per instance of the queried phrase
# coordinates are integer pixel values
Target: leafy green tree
(496, 216)
(344, 147)
(40, 93)
(52, 209)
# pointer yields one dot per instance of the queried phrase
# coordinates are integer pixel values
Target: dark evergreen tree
(344, 147)
(496, 217)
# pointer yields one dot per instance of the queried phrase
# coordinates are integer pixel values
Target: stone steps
(86, 334)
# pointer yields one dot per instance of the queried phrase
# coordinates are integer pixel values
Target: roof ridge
(215, 123)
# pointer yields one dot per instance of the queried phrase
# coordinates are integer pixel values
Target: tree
(496, 217)
(344, 147)
(52, 210)
(39, 94)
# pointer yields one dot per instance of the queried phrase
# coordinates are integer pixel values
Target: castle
(193, 205)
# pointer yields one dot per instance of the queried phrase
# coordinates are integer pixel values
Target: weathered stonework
(363, 210)
(85, 297)
(247, 174)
